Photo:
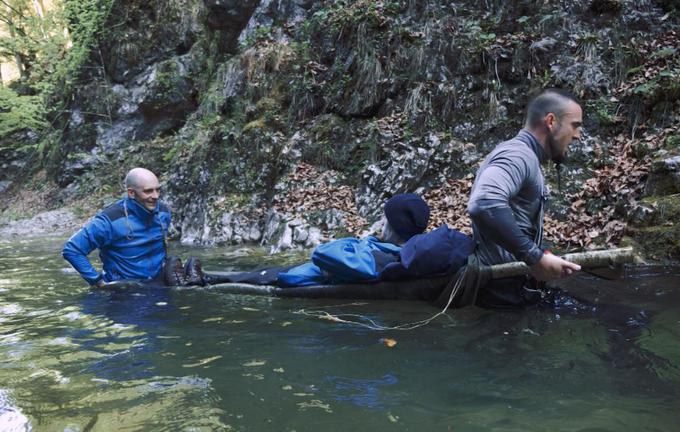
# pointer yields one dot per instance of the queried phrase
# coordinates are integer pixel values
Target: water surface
(76, 359)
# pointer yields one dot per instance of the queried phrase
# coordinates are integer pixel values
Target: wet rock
(300, 234)
(152, 32)
(253, 234)
(14, 158)
(229, 14)
(606, 6)
(643, 215)
(273, 222)
(586, 79)
(284, 241)
(193, 223)
(412, 167)
(332, 219)
(78, 164)
(658, 242)
(543, 45)
(656, 211)
(55, 222)
(314, 237)
(166, 90)
(287, 13)
(227, 231)
(664, 178)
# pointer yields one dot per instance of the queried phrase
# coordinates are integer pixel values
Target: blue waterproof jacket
(130, 239)
(350, 260)
(440, 251)
(344, 260)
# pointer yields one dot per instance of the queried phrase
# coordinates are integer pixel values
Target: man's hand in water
(100, 283)
(552, 267)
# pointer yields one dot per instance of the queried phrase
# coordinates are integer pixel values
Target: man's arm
(489, 205)
(499, 223)
(489, 208)
(95, 234)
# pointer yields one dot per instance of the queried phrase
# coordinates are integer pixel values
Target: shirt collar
(528, 138)
(138, 209)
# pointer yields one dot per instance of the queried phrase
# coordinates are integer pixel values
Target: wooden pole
(590, 259)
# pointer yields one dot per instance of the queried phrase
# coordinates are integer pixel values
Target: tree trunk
(17, 57)
(590, 259)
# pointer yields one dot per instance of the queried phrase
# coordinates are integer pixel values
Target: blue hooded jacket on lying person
(441, 251)
(350, 260)
(344, 260)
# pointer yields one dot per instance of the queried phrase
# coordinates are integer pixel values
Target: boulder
(664, 177)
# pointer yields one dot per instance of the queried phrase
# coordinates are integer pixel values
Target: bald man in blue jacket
(130, 235)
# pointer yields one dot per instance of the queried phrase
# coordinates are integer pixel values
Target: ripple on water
(11, 309)
(78, 359)
(11, 418)
(61, 341)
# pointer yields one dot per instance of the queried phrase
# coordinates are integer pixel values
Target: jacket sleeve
(489, 206)
(500, 224)
(346, 260)
(94, 235)
(306, 274)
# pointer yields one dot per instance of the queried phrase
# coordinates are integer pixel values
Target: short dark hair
(548, 101)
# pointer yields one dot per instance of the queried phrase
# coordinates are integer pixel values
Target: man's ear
(550, 121)
(130, 193)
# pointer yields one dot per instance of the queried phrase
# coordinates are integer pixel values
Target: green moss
(659, 242)
(673, 141)
(20, 112)
(667, 209)
(665, 85)
(331, 144)
(605, 111)
(258, 124)
(260, 34)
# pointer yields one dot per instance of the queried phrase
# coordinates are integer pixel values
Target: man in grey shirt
(506, 203)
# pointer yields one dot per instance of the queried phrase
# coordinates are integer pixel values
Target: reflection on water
(74, 359)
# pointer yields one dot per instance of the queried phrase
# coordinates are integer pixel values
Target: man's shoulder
(515, 150)
(113, 212)
(515, 145)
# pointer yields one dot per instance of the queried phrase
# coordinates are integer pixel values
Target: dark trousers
(511, 293)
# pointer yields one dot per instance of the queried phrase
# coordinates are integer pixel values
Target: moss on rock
(658, 242)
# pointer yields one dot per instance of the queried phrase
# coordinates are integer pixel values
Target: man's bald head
(142, 186)
(137, 176)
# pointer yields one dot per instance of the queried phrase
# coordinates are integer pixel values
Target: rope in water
(372, 325)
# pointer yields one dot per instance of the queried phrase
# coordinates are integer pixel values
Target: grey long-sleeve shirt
(506, 202)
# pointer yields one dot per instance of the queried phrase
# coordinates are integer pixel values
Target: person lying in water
(130, 235)
(402, 251)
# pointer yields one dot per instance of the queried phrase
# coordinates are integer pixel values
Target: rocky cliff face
(284, 121)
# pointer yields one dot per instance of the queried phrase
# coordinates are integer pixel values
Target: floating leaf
(202, 362)
(388, 342)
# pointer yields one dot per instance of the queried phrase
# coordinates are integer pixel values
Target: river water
(76, 359)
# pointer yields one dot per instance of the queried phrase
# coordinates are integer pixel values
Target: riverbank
(287, 126)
